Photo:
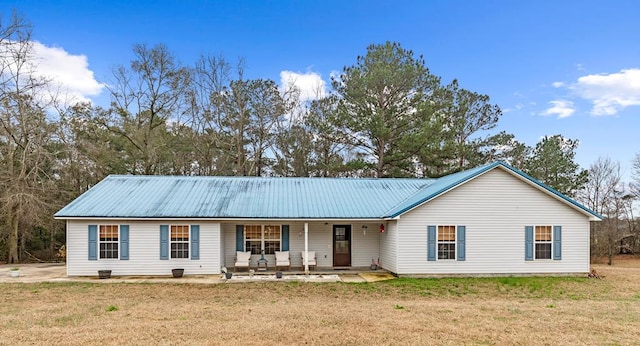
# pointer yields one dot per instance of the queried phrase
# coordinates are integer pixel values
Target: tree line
(386, 115)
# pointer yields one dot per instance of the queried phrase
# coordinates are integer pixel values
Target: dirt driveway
(34, 272)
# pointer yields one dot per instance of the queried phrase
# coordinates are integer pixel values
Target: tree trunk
(240, 155)
(13, 237)
(380, 164)
(52, 232)
(611, 246)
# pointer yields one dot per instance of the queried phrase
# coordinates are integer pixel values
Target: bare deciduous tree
(25, 137)
(146, 102)
(605, 194)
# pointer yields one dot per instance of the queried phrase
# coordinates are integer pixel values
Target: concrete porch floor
(321, 274)
(300, 271)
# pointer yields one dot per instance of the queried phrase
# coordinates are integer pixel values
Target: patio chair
(311, 259)
(282, 259)
(242, 260)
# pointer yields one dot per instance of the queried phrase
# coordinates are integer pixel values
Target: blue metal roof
(133, 196)
(241, 197)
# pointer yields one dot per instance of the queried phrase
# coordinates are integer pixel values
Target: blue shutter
(164, 242)
(239, 238)
(431, 243)
(460, 239)
(528, 243)
(285, 238)
(557, 242)
(195, 242)
(93, 242)
(124, 242)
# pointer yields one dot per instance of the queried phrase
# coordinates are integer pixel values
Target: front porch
(351, 245)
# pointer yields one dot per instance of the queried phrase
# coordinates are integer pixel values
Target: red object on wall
(381, 228)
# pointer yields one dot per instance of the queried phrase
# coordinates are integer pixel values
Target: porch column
(306, 248)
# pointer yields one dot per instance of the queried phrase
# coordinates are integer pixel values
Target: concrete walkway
(57, 272)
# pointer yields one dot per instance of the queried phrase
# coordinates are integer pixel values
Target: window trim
(99, 242)
(263, 238)
(187, 242)
(541, 242)
(449, 242)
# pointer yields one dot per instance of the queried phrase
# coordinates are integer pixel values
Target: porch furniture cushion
(242, 260)
(311, 261)
(282, 259)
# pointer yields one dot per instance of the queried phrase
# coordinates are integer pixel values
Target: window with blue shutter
(285, 238)
(461, 241)
(557, 242)
(431, 243)
(239, 238)
(195, 242)
(93, 242)
(124, 242)
(164, 242)
(528, 243)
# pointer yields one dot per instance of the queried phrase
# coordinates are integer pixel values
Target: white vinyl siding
(495, 208)
(144, 250)
(388, 245)
(365, 247)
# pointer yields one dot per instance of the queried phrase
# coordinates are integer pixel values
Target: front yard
(541, 310)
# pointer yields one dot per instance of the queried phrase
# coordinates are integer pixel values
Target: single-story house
(492, 219)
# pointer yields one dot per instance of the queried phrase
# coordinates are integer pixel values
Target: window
(271, 239)
(108, 241)
(447, 242)
(543, 242)
(179, 241)
(253, 239)
(262, 237)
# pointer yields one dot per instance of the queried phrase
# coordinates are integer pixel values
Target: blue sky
(554, 67)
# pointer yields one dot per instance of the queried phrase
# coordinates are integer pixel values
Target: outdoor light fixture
(364, 230)
(381, 228)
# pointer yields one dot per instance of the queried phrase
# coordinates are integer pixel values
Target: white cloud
(610, 93)
(310, 84)
(67, 72)
(561, 108)
(517, 107)
(558, 84)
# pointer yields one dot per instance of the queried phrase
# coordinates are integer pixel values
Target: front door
(341, 245)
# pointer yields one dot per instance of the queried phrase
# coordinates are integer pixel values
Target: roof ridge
(257, 177)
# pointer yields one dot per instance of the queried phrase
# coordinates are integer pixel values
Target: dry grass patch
(545, 310)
